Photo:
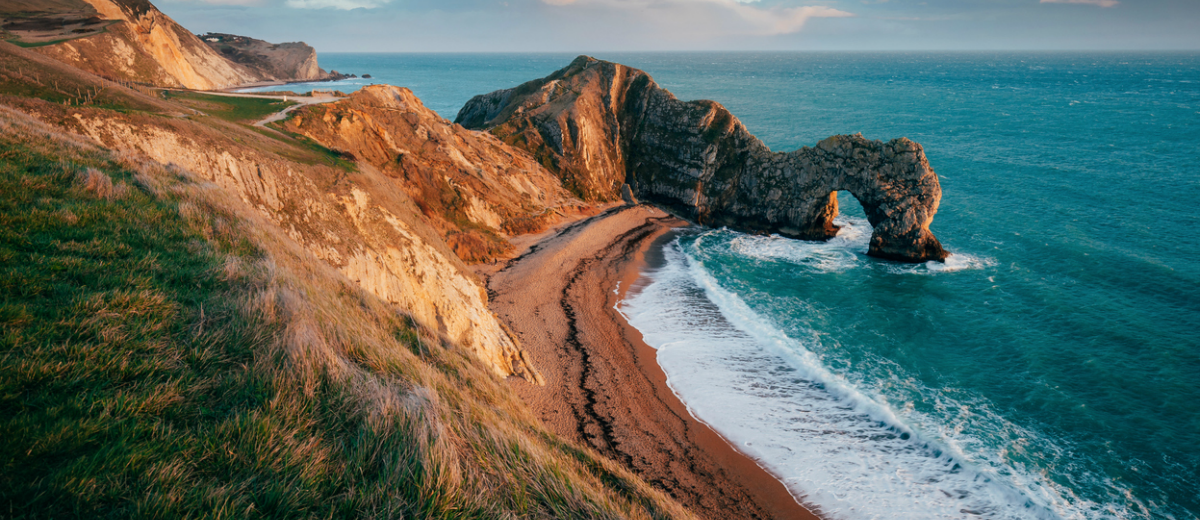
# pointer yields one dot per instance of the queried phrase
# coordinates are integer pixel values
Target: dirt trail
(277, 116)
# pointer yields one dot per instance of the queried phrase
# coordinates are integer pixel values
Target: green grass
(30, 45)
(164, 356)
(249, 110)
(121, 359)
(24, 78)
(235, 109)
(319, 154)
(22, 89)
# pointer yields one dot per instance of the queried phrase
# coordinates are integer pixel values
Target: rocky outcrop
(143, 45)
(295, 61)
(599, 125)
(627, 195)
(472, 187)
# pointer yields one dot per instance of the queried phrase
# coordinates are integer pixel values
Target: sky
(711, 25)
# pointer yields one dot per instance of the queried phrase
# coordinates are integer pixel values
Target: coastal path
(300, 101)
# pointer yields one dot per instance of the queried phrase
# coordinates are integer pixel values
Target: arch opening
(841, 208)
(849, 206)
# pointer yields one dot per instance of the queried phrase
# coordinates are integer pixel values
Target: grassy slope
(251, 110)
(106, 364)
(31, 75)
(18, 7)
(167, 353)
(235, 109)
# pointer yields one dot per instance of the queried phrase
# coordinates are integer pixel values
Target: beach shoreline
(604, 388)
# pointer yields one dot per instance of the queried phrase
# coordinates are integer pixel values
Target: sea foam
(844, 451)
(844, 252)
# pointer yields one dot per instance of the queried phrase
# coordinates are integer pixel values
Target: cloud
(754, 20)
(785, 20)
(1101, 3)
(335, 4)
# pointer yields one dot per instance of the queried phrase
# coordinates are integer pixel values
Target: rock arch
(600, 125)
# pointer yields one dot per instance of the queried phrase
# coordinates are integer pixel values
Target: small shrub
(527, 224)
(97, 183)
(101, 185)
(474, 246)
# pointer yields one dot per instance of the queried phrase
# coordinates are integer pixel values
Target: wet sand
(604, 388)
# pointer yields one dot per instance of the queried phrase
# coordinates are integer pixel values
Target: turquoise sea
(1050, 369)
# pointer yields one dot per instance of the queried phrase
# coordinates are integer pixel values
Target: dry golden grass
(24, 73)
(167, 352)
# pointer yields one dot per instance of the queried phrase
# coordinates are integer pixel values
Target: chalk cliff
(600, 125)
(237, 310)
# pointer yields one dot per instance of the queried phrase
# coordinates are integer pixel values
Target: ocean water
(1050, 369)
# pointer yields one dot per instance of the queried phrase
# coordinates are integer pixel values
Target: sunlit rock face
(143, 45)
(293, 61)
(472, 188)
(599, 125)
(359, 222)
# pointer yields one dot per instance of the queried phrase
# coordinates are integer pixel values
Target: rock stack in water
(600, 125)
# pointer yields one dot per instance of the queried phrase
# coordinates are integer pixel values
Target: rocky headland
(600, 125)
(293, 61)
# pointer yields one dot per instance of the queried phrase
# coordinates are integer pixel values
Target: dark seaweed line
(587, 414)
(627, 241)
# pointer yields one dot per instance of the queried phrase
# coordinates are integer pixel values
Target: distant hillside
(131, 40)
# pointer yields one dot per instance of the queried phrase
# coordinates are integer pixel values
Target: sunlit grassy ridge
(167, 353)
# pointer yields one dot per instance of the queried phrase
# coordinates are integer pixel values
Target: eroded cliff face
(294, 61)
(146, 46)
(599, 125)
(473, 188)
(359, 222)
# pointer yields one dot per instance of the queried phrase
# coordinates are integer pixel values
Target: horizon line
(793, 51)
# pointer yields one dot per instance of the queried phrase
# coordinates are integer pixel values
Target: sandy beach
(604, 388)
